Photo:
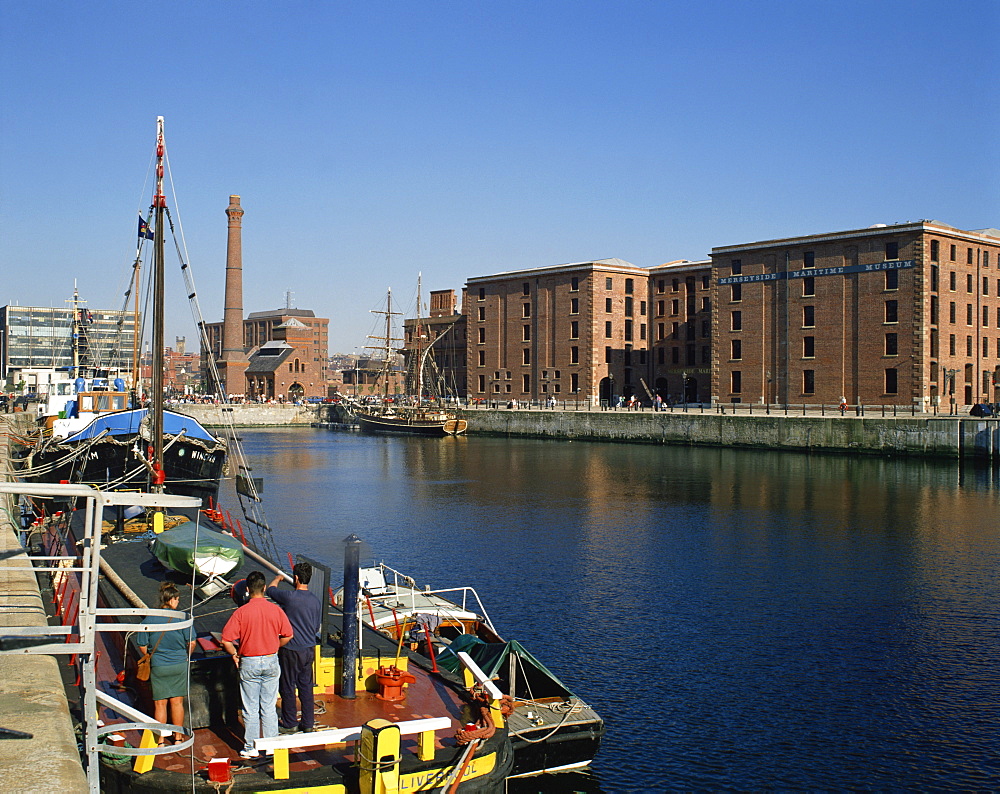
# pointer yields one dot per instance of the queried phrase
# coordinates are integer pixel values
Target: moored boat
(374, 699)
(110, 450)
(411, 414)
(551, 728)
(412, 420)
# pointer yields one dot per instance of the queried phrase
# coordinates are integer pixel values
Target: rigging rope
(252, 507)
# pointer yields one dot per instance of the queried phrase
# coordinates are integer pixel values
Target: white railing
(408, 584)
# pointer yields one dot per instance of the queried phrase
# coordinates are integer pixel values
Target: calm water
(741, 620)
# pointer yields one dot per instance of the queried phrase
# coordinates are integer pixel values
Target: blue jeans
(259, 689)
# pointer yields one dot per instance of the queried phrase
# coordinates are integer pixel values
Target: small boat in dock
(551, 728)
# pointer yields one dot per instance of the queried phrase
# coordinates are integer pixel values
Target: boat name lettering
(420, 780)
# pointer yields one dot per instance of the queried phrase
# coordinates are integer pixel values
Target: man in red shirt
(259, 627)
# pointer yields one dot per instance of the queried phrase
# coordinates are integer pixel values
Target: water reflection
(741, 619)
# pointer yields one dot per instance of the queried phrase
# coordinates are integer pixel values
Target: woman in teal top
(170, 650)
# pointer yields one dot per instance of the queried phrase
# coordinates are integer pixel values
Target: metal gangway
(91, 619)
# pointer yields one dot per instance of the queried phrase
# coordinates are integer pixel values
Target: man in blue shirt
(305, 613)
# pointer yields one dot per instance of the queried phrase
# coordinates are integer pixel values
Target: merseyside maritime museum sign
(843, 270)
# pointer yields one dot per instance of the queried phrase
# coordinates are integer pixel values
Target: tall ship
(411, 412)
(96, 429)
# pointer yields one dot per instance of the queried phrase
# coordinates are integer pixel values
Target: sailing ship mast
(136, 271)
(76, 331)
(420, 371)
(387, 350)
(156, 397)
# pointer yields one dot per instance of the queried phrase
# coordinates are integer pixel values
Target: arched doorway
(660, 387)
(691, 390)
(295, 391)
(607, 389)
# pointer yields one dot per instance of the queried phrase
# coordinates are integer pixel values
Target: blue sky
(370, 141)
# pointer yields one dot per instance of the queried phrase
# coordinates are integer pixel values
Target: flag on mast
(145, 233)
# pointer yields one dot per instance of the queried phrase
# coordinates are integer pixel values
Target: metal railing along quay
(883, 410)
(38, 746)
(42, 752)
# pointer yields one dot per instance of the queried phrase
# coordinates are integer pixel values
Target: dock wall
(933, 436)
(948, 437)
(253, 415)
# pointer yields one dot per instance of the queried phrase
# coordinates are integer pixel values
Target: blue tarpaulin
(124, 423)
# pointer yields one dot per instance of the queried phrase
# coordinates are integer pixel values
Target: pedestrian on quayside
(305, 613)
(252, 636)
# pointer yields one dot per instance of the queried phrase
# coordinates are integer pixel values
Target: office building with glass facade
(46, 338)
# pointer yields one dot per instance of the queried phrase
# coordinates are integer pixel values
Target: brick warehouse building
(907, 314)
(576, 331)
(681, 348)
(285, 367)
(260, 328)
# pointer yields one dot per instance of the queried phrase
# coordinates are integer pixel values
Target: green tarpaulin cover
(216, 553)
(533, 679)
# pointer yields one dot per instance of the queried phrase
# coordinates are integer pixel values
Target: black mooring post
(352, 584)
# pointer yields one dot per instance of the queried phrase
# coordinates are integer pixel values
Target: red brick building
(181, 370)
(681, 349)
(576, 332)
(284, 367)
(907, 314)
(260, 328)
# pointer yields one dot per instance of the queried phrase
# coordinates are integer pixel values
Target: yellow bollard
(379, 757)
(496, 714)
(425, 746)
(157, 522)
(143, 763)
(281, 763)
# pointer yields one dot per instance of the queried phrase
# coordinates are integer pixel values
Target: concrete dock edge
(916, 436)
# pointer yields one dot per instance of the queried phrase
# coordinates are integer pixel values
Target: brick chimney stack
(233, 364)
